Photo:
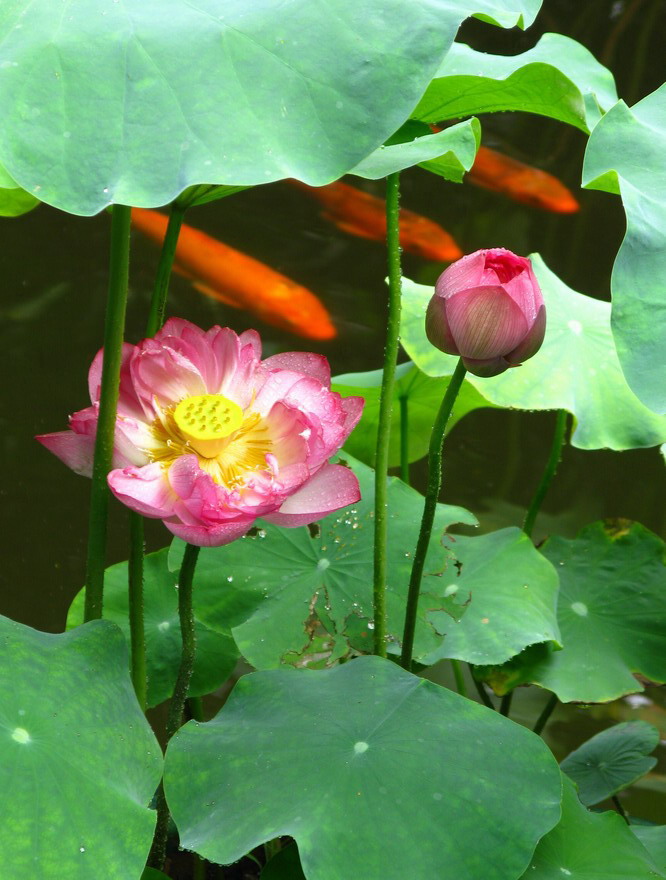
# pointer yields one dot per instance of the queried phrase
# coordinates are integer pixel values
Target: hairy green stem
(404, 439)
(114, 327)
(137, 542)
(386, 410)
(177, 704)
(461, 687)
(545, 715)
(549, 472)
(161, 288)
(429, 509)
(136, 625)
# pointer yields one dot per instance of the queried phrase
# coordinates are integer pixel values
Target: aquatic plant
(335, 758)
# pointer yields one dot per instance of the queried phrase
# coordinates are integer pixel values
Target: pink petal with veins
(485, 322)
(331, 488)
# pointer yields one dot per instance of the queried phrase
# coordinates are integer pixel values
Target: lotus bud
(489, 310)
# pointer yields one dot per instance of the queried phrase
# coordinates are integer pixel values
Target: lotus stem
(620, 808)
(161, 288)
(404, 439)
(481, 690)
(136, 623)
(545, 715)
(177, 704)
(505, 704)
(549, 472)
(429, 509)
(114, 327)
(137, 542)
(386, 410)
(461, 687)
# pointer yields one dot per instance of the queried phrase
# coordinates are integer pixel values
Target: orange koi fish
(359, 213)
(240, 281)
(521, 182)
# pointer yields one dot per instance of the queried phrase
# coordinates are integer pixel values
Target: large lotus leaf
(304, 596)
(558, 78)
(132, 102)
(78, 762)
(612, 760)
(625, 155)
(216, 650)
(374, 772)
(653, 838)
(612, 616)
(590, 846)
(513, 592)
(455, 153)
(421, 395)
(576, 369)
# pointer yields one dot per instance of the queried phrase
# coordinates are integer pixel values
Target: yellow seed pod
(206, 420)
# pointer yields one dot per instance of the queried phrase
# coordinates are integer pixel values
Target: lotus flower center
(206, 420)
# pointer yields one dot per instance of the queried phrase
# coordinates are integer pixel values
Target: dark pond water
(54, 269)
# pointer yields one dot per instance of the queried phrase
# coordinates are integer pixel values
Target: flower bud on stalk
(489, 310)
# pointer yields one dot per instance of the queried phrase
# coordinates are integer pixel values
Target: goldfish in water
(359, 213)
(240, 281)
(521, 182)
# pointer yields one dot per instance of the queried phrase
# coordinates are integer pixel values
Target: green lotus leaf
(513, 597)
(416, 396)
(557, 78)
(625, 155)
(133, 102)
(16, 201)
(78, 762)
(216, 650)
(612, 760)
(304, 596)
(611, 612)
(349, 745)
(590, 846)
(576, 369)
(454, 153)
(653, 838)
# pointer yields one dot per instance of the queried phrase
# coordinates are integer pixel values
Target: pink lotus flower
(488, 309)
(209, 437)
